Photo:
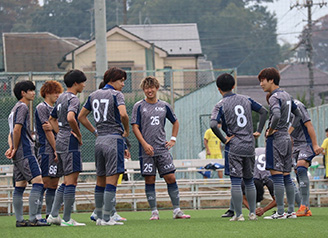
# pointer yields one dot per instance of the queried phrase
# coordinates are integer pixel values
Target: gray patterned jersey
(259, 168)
(300, 134)
(104, 105)
(282, 101)
(235, 113)
(42, 114)
(65, 141)
(151, 121)
(20, 115)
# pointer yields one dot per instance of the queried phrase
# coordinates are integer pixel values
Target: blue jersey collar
(109, 86)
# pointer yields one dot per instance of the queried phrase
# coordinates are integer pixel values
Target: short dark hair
(74, 76)
(326, 130)
(225, 82)
(270, 74)
(113, 74)
(23, 86)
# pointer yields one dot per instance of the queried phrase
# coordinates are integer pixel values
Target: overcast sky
(292, 21)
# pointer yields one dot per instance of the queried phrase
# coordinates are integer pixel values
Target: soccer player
(235, 113)
(324, 146)
(305, 147)
(47, 156)
(21, 151)
(278, 142)
(112, 123)
(213, 148)
(148, 121)
(63, 120)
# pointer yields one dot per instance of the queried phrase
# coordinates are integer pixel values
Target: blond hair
(148, 82)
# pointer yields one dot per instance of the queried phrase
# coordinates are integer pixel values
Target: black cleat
(228, 213)
(36, 222)
(22, 223)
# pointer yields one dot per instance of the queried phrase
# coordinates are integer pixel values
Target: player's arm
(263, 116)
(208, 152)
(175, 130)
(276, 114)
(85, 121)
(313, 137)
(124, 119)
(52, 141)
(54, 123)
(10, 143)
(74, 126)
(16, 138)
(214, 126)
(149, 150)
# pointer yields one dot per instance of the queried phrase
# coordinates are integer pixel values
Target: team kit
(56, 153)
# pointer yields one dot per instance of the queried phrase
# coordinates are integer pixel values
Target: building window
(167, 76)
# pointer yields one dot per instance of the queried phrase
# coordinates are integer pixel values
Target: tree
(320, 43)
(233, 33)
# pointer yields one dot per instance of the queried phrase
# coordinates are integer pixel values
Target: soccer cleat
(93, 216)
(98, 222)
(37, 222)
(228, 213)
(275, 215)
(71, 222)
(22, 223)
(111, 222)
(302, 211)
(154, 215)
(235, 218)
(54, 220)
(252, 217)
(117, 217)
(291, 215)
(309, 213)
(180, 215)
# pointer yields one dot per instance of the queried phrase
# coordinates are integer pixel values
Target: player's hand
(125, 134)
(317, 149)
(79, 138)
(229, 139)
(149, 150)
(169, 144)
(256, 134)
(127, 154)
(208, 152)
(46, 126)
(259, 211)
(10, 153)
(270, 132)
(56, 157)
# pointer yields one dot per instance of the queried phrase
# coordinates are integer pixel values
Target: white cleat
(291, 215)
(178, 214)
(111, 222)
(54, 220)
(154, 215)
(275, 216)
(252, 217)
(235, 218)
(93, 216)
(71, 222)
(117, 217)
(98, 222)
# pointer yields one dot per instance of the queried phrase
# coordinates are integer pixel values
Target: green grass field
(203, 223)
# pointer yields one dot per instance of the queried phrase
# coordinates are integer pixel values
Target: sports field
(204, 223)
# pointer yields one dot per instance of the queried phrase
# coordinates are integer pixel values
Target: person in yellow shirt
(325, 153)
(213, 147)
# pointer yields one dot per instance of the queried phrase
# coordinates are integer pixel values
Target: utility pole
(308, 41)
(101, 41)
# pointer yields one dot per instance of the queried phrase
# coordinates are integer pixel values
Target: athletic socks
(34, 200)
(297, 195)
(278, 185)
(38, 214)
(59, 198)
(151, 196)
(304, 185)
(290, 193)
(50, 197)
(236, 194)
(109, 201)
(173, 191)
(69, 199)
(99, 200)
(18, 202)
(250, 192)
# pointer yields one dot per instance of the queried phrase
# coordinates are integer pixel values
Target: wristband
(173, 138)
(95, 132)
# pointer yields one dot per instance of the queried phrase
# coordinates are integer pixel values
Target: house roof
(175, 39)
(37, 52)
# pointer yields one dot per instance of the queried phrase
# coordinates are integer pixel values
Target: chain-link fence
(174, 85)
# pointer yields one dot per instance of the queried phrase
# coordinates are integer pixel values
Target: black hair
(113, 74)
(74, 76)
(270, 74)
(23, 86)
(326, 130)
(225, 82)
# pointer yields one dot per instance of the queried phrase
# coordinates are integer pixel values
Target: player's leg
(302, 173)
(50, 194)
(151, 195)
(230, 212)
(18, 198)
(250, 190)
